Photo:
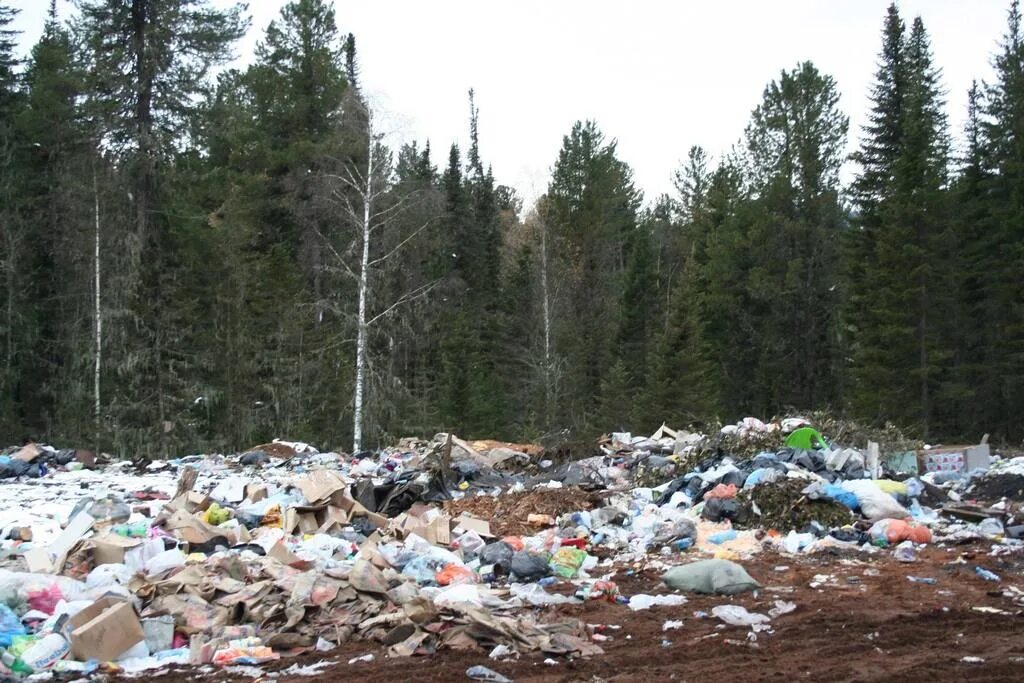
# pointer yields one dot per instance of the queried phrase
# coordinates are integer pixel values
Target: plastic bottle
(137, 530)
(482, 673)
(921, 579)
(722, 536)
(986, 574)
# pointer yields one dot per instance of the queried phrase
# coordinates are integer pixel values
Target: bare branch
(337, 255)
(401, 244)
(409, 296)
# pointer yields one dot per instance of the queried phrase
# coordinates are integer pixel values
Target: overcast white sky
(659, 76)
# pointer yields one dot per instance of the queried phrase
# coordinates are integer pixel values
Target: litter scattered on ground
(245, 560)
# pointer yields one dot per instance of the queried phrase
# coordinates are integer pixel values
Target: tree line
(199, 258)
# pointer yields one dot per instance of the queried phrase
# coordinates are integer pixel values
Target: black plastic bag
(717, 509)
(528, 567)
(499, 554)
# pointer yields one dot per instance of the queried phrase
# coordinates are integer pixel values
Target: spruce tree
(876, 159)
(1002, 130)
(17, 327)
(58, 197)
(591, 206)
(794, 143)
(898, 346)
(149, 61)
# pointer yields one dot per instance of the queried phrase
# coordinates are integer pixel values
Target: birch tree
(361, 186)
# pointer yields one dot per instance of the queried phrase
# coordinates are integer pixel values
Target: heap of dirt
(890, 438)
(508, 513)
(994, 486)
(783, 506)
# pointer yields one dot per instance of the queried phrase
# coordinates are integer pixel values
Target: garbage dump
(243, 560)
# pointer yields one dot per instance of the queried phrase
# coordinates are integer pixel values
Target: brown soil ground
(870, 623)
(508, 513)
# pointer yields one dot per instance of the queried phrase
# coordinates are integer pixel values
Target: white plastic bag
(875, 503)
(736, 615)
(165, 561)
(644, 601)
(464, 593)
(108, 575)
(535, 595)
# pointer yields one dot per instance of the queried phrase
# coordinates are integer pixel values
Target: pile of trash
(439, 544)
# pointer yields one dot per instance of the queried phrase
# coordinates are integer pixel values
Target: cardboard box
(320, 485)
(104, 630)
(39, 561)
(466, 522)
(953, 458)
(255, 492)
(310, 519)
(111, 548)
(76, 529)
(434, 528)
(193, 530)
(191, 502)
(28, 453)
(281, 553)
(334, 521)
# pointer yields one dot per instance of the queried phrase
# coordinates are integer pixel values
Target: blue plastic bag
(10, 626)
(843, 496)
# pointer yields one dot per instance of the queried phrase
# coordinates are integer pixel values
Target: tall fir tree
(795, 141)
(1003, 136)
(59, 196)
(17, 327)
(149, 62)
(591, 206)
(897, 360)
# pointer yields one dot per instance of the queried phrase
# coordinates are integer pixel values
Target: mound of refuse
(441, 543)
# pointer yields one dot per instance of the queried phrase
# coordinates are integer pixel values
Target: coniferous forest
(199, 258)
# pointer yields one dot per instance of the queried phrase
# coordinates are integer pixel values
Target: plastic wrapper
(10, 626)
(897, 530)
(735, 615)
(535, 595)
(457, 595)
(165, 561)
(215, 514)
(875, 503)
(598, 590)
(423, 569)
(107, 511)
(43, 598)
(566, 562)
(515, 542)
(644, 601)
(455, 574)
(109, 575)
(721, 491)
(244, 655)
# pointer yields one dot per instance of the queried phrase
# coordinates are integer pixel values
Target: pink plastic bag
(44, 598)
(721, 491)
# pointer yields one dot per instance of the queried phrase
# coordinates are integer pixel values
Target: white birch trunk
(98, 317)
(547, 322)
(364, 266)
